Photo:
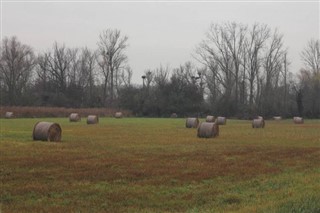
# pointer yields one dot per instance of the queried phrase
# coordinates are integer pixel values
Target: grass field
(157, 165)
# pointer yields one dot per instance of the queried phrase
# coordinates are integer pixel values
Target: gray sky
(159, 32)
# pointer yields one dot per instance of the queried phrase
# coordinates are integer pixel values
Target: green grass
(157, 165)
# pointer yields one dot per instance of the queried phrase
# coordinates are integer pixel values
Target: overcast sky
(159, 32)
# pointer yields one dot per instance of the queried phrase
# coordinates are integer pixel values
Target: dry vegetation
(158, 165)
(37, 112)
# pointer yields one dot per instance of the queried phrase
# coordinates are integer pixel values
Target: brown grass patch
(150, 168)
(38, 112)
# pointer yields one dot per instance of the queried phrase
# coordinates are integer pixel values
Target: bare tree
(148, 78)
(309, 78)
(126, 76)
(242, 61)
(86, 77)
(58, 64)
(214, 54)
(42, 69)
(255, 43)
(42, 78)
(272, 64)
(16, 64)
(105, 71)
(311, 56)
(235, 37)
(161, 76)
(222, 53)
(212, 83)
(74, 71)
(66, 73)
(111, 57)
(273, 60)
(285, 75)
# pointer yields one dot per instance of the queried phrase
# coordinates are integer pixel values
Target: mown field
(157, 165)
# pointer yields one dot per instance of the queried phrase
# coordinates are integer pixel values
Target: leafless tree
(111, 58)
(243, 65)
(309, 78)
(222, 53)
(273, 60)
(213, 52)
(16, 64)
(272, 67)
(87, 72)
(58, 63)
(147, 78)
(285, 76)
(187, 72)
(126, 76)
(67, 71)
(74, 70)
(43, 78)
(235, 37)
(212, 83)
(258, 35)
(161, 76)
(104, 70)
(311, 56)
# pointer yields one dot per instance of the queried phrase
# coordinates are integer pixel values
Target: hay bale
(208, 130)
(192, 122)
(92, 119)
(8, 115)
(173, 115)
(47, 131)
(258, 123)
(277, 118)
(210, 118)
(298, 120)
(118, 115)
(74, 117)
(221, 120)
(260, 117)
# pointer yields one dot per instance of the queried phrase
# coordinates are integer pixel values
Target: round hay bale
(8, 115)
(208, 130)
(118, 115)
(173, 115)
(260, 117)
(47, 131)
(210, 118)
(192, 122)
(277, 118)
(298, 120)
(221, 121)
(74, 117)
(92, 119)
(258, 123)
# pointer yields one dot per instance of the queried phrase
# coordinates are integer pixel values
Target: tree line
(244, 71)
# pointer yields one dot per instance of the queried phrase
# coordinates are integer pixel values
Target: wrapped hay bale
(298, 120)
(208, 130)
(277, 118)
(258, 123)
(118, 115)
(221, 121)
(192, 122)
(173, 115)
(8, 115)
(92, 119)
(210, 118)
(47, 131)
(74, 117)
